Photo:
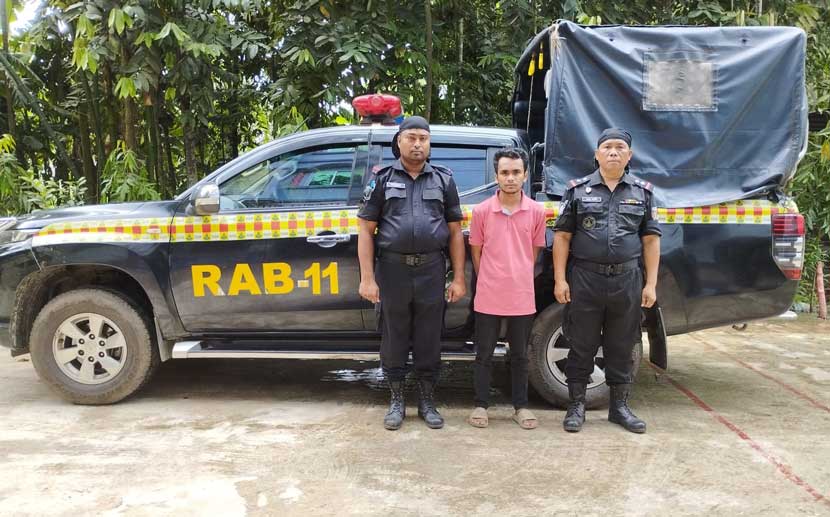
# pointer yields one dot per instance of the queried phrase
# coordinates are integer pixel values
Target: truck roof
(459, 135)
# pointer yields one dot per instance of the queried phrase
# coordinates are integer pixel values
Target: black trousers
(412, 316)
(518, 335)
(604, 311)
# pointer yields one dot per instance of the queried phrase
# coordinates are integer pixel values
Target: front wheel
(92, 346)
(547, 357)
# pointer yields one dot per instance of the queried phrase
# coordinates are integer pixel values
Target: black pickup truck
(259, 260)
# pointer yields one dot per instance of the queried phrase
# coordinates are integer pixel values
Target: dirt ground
(737, 426)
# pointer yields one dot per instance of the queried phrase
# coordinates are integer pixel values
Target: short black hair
(514, 153)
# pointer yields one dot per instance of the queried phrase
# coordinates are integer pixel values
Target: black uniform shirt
(607, 226)
(412, 215)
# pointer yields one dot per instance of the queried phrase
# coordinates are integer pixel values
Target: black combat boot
(620, 413)
(397, 407)
(575, 416)
(426, 406)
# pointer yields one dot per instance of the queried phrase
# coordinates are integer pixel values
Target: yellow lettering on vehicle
(243, 280)
(205, 276)
(277, 278)
(331, 273)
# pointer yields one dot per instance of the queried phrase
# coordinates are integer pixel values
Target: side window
(317, 176)
(468, 164)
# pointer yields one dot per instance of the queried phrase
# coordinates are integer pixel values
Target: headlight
(7, 235)
(10, 236)
(6, 222)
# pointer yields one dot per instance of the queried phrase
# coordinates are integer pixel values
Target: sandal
(525, 418)
(478, 418)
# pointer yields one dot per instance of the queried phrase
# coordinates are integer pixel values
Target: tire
(547, 356)
(105, 369)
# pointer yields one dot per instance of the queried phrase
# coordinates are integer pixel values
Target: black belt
(410, 259)
(608, 269)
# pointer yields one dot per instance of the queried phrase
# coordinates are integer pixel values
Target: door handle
(327, 241)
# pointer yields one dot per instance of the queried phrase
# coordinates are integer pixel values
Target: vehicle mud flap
(657, 353)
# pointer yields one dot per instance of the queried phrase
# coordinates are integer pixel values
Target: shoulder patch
(645, 185)
(577, 182)
(370, 188)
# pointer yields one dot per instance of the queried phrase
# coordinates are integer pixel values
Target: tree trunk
(188, 129)
(202, 155)
(86, 156)
(428, 89)
(173, 182)
(130, 122)
(130, 109)
(35, 104)
(234, 141)
(112, 120)
(822, 300)
(155, 137)
(152, 147)
(190, 159)
(459, 74)
(94, 117)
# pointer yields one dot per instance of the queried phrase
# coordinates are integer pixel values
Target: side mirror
(206, 201)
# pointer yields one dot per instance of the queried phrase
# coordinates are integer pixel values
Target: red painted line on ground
(791, 389)
(782, 467)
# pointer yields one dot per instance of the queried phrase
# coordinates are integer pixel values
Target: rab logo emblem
(589, 222)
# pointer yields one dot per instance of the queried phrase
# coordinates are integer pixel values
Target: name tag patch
(635, 202)
(395, 184)
(591, 199)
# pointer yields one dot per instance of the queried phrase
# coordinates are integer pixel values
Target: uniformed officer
(606, 231)
(415, 208)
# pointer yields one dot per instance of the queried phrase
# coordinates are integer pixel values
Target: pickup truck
(259, 258)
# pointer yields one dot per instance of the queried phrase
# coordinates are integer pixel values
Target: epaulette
(577, 182)
(382, 170)
(441, 168)
(645, 185)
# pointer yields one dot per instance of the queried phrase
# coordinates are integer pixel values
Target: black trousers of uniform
(518, 335)
(604, 311)
(412, 316)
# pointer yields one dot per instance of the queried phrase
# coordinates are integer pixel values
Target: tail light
(788, 244)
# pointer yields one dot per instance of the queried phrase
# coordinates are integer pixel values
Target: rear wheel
(92, 346)
(548, 355)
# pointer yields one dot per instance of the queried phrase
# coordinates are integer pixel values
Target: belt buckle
(611, 269)
(413, 260)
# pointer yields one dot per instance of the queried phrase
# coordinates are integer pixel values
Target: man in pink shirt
(506, 234)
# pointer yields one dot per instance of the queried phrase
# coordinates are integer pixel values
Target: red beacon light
(377, 108)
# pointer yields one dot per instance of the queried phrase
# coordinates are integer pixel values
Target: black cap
(413, 122)
(614, 133)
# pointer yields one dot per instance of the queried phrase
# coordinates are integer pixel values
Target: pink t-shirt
(505, 277)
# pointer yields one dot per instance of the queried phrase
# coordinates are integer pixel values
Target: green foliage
(22, 191)
(813, 254)
(811, 185)
(40, 192)
(187, 86)
(125, 177)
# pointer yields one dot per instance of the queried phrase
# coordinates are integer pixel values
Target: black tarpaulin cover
(717, 113)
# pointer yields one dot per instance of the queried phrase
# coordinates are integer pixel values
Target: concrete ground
(739, 425)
